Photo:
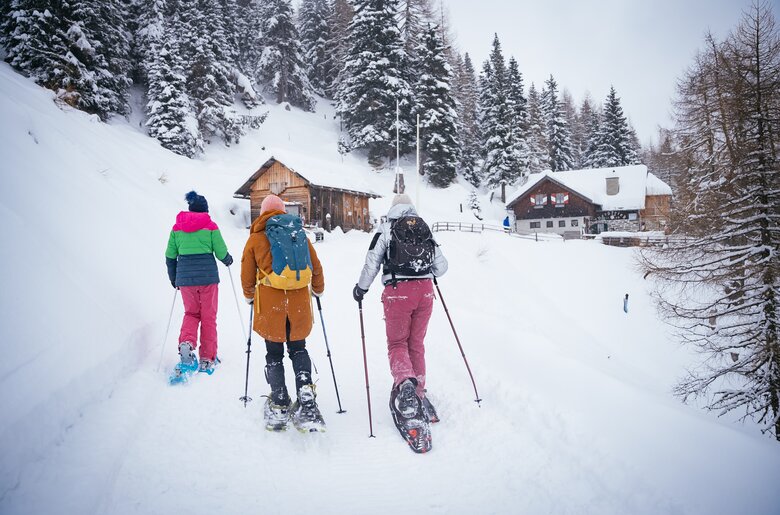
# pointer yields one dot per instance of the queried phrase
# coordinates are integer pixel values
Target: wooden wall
(347, 210)
(577, 206)
(655, 215)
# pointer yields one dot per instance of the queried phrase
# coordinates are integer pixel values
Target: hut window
(549, 223)
(561, 223)
(539, 201)
(536, 225)
(575, 223)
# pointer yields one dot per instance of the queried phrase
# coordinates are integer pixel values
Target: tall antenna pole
(417, 200)
(399, 179)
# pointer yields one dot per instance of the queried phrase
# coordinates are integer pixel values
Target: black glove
(173, 283)
(228, 260)
(358, 292)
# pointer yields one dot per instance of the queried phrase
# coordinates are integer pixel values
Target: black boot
(274, 375)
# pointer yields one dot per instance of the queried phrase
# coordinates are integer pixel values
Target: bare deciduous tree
(720, 286)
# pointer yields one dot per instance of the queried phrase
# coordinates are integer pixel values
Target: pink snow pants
(200, 309)
(407, 309)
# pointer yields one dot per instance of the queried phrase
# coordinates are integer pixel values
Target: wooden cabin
(321, 205)
(570, 203)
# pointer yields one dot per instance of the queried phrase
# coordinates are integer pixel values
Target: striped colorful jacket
(194, 241)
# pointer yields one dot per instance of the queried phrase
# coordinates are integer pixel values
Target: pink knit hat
(272, 203)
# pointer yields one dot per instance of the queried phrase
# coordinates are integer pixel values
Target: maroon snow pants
(407, 308)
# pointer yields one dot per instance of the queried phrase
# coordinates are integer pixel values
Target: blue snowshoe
(187, 365)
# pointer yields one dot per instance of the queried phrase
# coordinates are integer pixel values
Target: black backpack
(411, 250)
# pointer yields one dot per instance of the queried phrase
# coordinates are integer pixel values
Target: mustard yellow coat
(272, 306)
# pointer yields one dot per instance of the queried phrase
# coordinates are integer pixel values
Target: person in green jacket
(194, 241)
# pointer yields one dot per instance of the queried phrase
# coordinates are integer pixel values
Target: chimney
(613, 185)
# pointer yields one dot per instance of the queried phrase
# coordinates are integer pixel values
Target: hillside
(577, 414)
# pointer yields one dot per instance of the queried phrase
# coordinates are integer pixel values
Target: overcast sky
(639, 46)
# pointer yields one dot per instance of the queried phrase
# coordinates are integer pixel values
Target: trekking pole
(170, 317)
(327, 347)
(477, 399)
(246, 398)
(238, 307)
(365, 366)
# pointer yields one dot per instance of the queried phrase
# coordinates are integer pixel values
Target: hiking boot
(306, 414)
(208, 365)
(187, 358)
(276, 415)
(407, 403)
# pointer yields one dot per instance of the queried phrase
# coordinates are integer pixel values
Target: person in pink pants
(200, 310)
(407, 309)
(194, 242)
(409, 258)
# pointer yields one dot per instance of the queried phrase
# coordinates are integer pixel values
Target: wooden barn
(576, 202)
(315, 197)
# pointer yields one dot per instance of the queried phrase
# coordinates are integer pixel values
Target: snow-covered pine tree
(373, 80)
(148, 36)
(494, 118)
(614, 146)
(281, 66)
(518, 123)
(170, 117)
(78, 49)
(98, 38)
(572, 120)
(33, 35)
(314, 29)
(720, 286)
(556, 129)
(538, 155)
(206, 58)
(584, 139)
(415, 16)
(435, 104)
(467, 95)
(229, 12)
(337, 46)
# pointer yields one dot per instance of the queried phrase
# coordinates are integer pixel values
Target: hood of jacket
(259, 224)
(399, 210)
(190, 221)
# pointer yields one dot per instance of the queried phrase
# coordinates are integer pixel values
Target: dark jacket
(194, 241)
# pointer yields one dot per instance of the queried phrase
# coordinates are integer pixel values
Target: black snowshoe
(305, 414)
(429, 411)
(276, 415)
(408, 416)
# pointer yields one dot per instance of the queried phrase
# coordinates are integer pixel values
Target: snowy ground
(577, 416)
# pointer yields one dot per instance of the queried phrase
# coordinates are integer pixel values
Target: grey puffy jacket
(377, 251)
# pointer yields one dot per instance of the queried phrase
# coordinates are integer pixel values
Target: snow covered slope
(577, 416)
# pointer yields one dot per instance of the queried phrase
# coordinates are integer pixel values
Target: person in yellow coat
(282, 316)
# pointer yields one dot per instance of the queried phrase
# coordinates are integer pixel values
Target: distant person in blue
(507, 225)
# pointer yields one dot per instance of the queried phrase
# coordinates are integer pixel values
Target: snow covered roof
(316, 172)
(656, 186)
(635, 183)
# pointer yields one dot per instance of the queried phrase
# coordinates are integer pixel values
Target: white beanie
(401, 198)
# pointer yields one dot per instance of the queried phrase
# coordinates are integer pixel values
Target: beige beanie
(401, 198)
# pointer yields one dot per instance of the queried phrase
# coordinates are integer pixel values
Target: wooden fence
(479, 228)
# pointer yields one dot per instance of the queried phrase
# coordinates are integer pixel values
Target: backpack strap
(394, 280)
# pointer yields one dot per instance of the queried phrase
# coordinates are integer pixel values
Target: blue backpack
(290, 258)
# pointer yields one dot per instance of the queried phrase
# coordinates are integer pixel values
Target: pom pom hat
(197, 202)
